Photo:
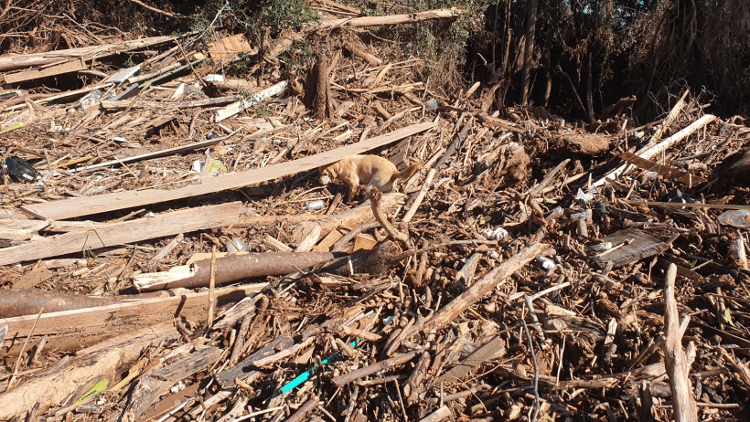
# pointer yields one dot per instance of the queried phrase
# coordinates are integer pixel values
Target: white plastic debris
(210, 166)
(601, 247)
(314, 205)
(214, 78)
(496, 234)
(123, 74)
(432, 104)
(585, 197)
(650, 175)
(239, 244)
(177, 387)
(583, 215)
(547, 263)
(178, 92)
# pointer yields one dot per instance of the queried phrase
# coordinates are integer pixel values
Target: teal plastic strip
(307, 374)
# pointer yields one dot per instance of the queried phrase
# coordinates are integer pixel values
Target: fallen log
(242, 266)
(375, 262)
(17, 302)
(231, 268)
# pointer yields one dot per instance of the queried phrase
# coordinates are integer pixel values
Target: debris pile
(168, 252)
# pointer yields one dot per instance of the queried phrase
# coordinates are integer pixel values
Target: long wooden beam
(113, 234)
(89, 205)
(10, 62)
(388, 20)
(75, 329)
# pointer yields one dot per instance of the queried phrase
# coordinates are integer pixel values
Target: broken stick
(383, 365)
(375, 199)
(676, 360)
(654, 150)
(483, 286)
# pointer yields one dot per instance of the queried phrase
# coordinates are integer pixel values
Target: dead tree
(528, 51)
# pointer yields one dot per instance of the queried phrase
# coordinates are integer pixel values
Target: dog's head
(328, 174)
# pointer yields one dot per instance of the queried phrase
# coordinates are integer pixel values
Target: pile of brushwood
(167, 251)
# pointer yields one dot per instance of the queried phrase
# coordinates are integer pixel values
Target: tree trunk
(321, 100)
(590, 91)
(528, 51)
(500, 93)
(552, 10)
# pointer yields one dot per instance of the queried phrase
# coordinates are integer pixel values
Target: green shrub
(283, 14)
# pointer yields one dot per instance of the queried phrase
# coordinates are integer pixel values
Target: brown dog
(370, 170)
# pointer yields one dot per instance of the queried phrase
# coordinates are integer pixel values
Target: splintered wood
(230, 47)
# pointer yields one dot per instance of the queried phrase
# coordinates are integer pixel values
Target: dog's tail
(407, 173)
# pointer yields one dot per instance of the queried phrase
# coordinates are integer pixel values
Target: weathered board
(82, 206)
(113, 234)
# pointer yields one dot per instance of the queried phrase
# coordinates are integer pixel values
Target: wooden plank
(77, 207)
(255, 99)
(122, 104)
(122, 75)
(10, 62)
(20, 229)
(155, 154)
(27, 75)
(628, 246)
(331, 238)
(113, 234)
(75, 329)
(665, 170)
